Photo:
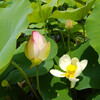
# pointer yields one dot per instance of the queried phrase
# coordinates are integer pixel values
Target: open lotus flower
(72, 68)
(37, 49)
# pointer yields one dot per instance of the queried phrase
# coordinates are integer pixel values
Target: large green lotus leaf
(94, 96)
(54, 88)
(35, 16)
(79, 50)
(93, 28)
(75, 14)
(79, 3)
(53, 48)
(88, 1)
(90, 76)
(13, 20)
(47, 1)
(97, 97)
(61, 2)
(16, 76)
(5, 73)
(20, 59)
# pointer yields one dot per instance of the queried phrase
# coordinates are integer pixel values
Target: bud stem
(83, 29)
(25, 76)
(57, 4)
(63, 40)
(64, 44)
(69, 43)
(42, 17)
(37, 79)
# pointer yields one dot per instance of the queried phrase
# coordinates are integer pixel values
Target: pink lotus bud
(37, 48)
(69, 24)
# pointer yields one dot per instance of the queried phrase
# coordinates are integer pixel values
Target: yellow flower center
(71, 69)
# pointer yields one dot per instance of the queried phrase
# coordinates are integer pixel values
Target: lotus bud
(69, 24)
(37, 48)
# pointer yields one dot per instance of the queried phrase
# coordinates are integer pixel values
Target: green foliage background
(18, 18)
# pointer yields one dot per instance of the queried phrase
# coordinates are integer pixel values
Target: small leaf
(29, 31)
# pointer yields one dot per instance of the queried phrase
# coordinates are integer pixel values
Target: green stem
(42, 17)
(69, 43)
(62, 37)
(25, 76)
(63, 40)
(57, 4)
(84, 31)
(37, 79)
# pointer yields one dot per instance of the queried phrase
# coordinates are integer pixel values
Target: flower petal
(45, 52)
(83, 64)
(57, 73)
(74, 61)
(79, 69)
(64, 61)
(32, 50)
(39, 39)
(73, 81)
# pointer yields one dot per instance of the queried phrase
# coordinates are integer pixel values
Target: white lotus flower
(72, 68)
